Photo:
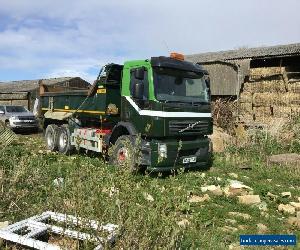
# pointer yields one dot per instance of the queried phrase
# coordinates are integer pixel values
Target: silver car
(18, 117)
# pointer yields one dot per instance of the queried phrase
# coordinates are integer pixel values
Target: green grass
(95, 190)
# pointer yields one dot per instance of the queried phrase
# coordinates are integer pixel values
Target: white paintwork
(87, 138)
(164, 113)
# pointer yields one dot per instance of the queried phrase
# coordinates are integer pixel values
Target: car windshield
(15, 109)
(173, 85)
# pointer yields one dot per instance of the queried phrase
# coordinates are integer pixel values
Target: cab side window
(137, 80)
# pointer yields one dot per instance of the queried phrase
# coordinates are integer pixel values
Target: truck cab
(154, 113)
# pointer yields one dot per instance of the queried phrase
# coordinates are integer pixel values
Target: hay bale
(276, 86)
(265, 71)
(288, 99)
(264, 119)
(246, 118)
(294, 87)
(265, 99)
(282, 112)
(245, 108)
(262, 111)
(246, 97)
(295, 110)
(5, 102)
(248, 87)
(262, 86)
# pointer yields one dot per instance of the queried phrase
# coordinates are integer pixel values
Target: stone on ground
(249, 199)
(241, 215)
(286, 208)
(272, 196)
(230, 221)
(285, 158)
(4, 224)
(196, 198)
(215, 190)
(183, 223)
(229, 229)
(233, 175)
(235, 246)
(236, 188)
(286, 194)
(263, 206)
(294, 222)
(296, 205)
(261, 228)
(148, 197)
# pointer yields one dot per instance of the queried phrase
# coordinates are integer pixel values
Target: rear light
(103, 131)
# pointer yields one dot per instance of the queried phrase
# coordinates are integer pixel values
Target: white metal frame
(86, 137)
(37, 226)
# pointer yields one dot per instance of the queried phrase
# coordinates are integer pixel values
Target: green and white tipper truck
(153, 113)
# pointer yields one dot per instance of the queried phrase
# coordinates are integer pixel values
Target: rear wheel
(123, 154)
(51, 137)
(64, 140)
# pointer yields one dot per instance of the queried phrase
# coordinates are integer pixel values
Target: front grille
(22, 118)
(25, 123)
(188, 127)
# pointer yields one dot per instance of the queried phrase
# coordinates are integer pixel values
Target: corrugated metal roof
(28, 85)
(260, 52)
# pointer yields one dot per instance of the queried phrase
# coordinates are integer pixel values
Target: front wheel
(124, 155)
(51, 136)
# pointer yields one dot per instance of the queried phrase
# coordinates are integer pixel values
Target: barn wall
(224, 78)
(17, 98)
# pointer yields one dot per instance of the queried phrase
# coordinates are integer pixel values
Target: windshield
(173, 85)
(15, 109)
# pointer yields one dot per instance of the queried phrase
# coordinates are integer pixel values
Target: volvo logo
(190, 126)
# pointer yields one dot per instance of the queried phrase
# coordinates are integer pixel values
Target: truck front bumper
(19, 124)
(195, 153)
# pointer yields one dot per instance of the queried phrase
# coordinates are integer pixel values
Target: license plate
(189, 160)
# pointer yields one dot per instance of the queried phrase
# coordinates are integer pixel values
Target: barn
(27, 91)
(264, 81)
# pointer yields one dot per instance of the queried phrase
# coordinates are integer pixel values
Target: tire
(64, 140)
(123, 154)
(7, 124)
(51, 137)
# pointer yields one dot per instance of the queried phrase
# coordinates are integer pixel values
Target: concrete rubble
(286, 208)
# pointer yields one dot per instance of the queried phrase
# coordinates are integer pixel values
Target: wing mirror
(207, 81)
(138, 90)
(139, 73)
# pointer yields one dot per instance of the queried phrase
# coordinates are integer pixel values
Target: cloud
(76, 37)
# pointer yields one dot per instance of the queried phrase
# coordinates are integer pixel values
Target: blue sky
(41, 39)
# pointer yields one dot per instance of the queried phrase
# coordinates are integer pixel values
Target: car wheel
(123, 154)
(7, 124)
(64, 140)
(51, 137)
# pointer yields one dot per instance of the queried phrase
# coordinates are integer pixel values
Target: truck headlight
(162, 150)
(13, 118)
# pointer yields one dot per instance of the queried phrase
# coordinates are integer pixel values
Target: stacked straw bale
(268, 95)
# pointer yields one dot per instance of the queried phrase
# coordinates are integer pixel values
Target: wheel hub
(122, 155)
(63, 140)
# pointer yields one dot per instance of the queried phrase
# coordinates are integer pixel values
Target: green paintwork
(177, 150)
